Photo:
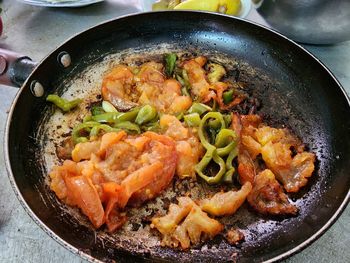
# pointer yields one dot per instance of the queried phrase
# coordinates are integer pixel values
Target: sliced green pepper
(200, 167)
(106, 128)
(180, 116)
(128, 116)
(63, 104)
(185, 89)
(199, 108)
(192, 120)
(116, 117)
(108, 107)
(227, 178)
(87, 118)
(227, 96)
(128, 126)
(170, 61)
(146, 114)
(79, 131)
(208, 116)
(214, 124)
(227, 119)
(185, 92)
(180, 79)
(81, 140)
(226, 141)
(186, 78)
(151, 126)
(97, 110)
(109, 117)
(216, 72)
(211, 150)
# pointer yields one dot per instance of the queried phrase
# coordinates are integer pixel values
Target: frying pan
(295, 89)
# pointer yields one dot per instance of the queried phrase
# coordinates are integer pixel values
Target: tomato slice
(85, 196)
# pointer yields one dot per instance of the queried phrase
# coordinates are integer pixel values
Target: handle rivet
(64, 59)
(3, 65)
(36, 88)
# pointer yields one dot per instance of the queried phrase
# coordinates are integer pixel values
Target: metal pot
(309, 21)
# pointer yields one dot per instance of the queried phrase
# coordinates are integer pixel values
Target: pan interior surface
(295, 91)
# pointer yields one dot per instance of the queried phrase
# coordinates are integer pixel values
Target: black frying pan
(295, 88)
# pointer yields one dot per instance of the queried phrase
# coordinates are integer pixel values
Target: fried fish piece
(267, 196)
(196, 225)
(226, 203)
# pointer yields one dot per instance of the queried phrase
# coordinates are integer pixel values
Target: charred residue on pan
(136, 235)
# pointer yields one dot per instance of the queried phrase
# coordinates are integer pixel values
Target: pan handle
(14, 68)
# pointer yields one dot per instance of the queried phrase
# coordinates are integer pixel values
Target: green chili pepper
(109, 117)
(81, 140)
(184, 83)
(97, 110)
(211, 150)
(146, 114)
(106, 128)
(227, 178)
(63, 104)
(224, 137)
(226, 141)
(128, 126)
(128, 116)
(116, 117)
(180, 116)
(87, 118)
(170, 60)
(151, 126)
(216, 72)
(180, 79)
(199, 108)
(214, 124)
(208, 116)
(108, 107)
(227, 96)
(185, 92)
(233, 154)
(209, 155)
(80, 131)
(227, 119)
(192, 120)
(224, 144)
(186, 79)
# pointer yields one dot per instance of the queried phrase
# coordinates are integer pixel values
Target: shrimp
(267, 196)
(118, 88)
(125, 90)
(197, 77)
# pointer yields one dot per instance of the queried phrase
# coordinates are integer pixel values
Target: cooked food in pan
(185, 119)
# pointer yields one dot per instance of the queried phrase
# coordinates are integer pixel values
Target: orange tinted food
(197, 77)
(267, 196)
(85, 196)
(124, 89)
(186, 224)
(112, 172)
(188, 146)
(123, 170)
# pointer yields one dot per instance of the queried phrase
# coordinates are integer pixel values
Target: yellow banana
(230, 7)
